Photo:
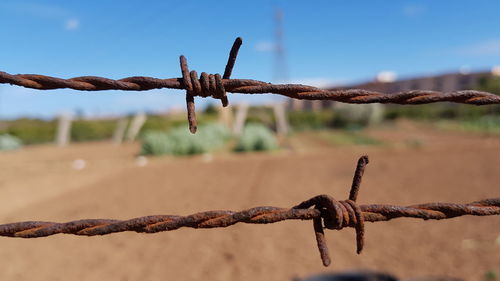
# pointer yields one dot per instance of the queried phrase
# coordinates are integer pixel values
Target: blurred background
(69, 155)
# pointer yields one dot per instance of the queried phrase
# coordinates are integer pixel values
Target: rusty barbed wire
(213, 85)
(324, 210)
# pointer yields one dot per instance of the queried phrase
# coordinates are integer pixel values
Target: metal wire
(213, 85)
(325, 211)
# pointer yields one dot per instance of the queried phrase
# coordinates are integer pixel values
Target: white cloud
(72, 24)
(43, 11)
(485, 48)
(413, 10)
(264, 46)
(35, 9)
(386, 76)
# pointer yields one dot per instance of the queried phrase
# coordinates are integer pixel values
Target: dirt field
(415, 165)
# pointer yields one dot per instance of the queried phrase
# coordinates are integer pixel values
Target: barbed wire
(324, 210)
(215, 86)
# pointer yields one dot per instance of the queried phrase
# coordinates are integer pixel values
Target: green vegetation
(91, 130)
(161, 123)
(261, 115)
(490, 276)
(8, 142)
(343, 116)
(487, 124)
(211, 109)
(481, 119)
(306, 120)
(165, 123)
(448, 111)
(489, 84)
(430, 112)
(444, 115)
(31, 131)
(37, 131)
(256, 137)
(179, 141)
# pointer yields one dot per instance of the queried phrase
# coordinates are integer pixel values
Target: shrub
(256, 137)
(155, 143)
(487, 123)
(90, 130)
(31, 131)
(179, 141)
(306, 120)
(167, 123)
(211, 109)
(35, 131)
(8, 142)
(491, 276)
(440, 111)
(489, 84)
(162, 123)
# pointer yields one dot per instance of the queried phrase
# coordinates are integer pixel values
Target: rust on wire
(209, 85)
(213, 85)
(323, 210)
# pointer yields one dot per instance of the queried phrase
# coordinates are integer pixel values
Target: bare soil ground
(416, 165)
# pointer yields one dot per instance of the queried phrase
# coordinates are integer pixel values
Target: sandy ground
(418, 166)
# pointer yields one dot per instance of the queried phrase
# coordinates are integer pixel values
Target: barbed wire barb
(323, 210)
(215, 86)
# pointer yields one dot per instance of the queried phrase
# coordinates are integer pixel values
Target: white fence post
(63, 134)
(241, 116)
(121, 127)
(281, 121)
(226, 116)
(135, 126)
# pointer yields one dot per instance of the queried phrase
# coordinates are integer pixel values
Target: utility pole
(280, 67)
(280, 73)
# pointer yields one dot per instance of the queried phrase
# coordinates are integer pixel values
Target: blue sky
(326, 42)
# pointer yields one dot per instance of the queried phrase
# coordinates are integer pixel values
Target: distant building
(386, 82)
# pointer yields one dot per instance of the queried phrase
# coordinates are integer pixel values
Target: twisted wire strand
(213, 85)
(256, 215)
(325, 211)
(248, 86)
